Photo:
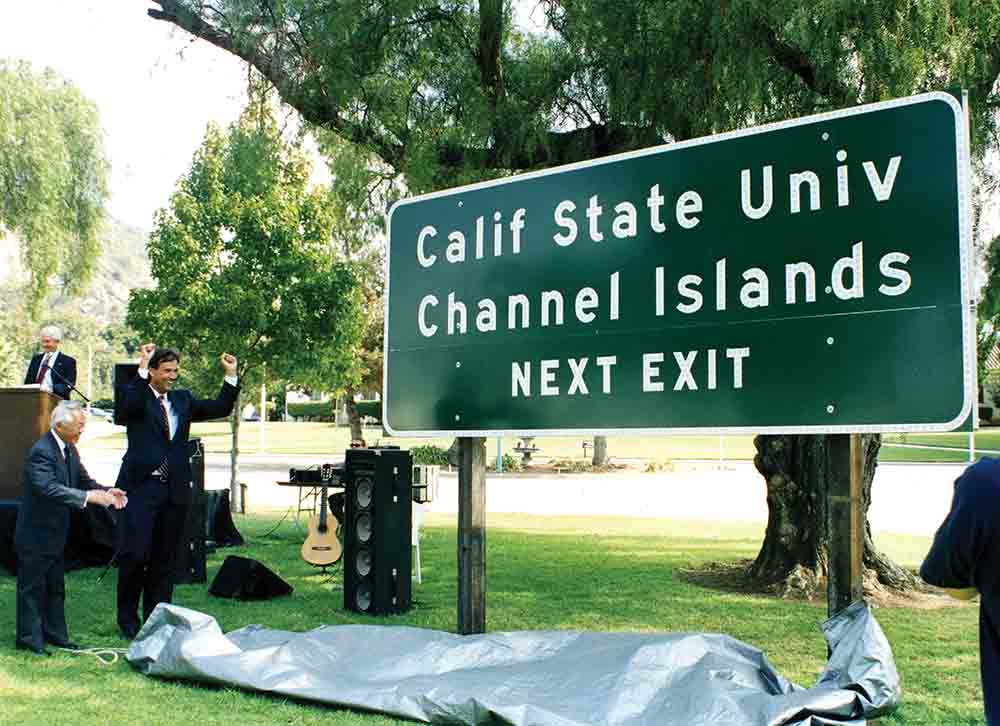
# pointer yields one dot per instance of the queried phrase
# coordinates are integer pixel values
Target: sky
(155, 89)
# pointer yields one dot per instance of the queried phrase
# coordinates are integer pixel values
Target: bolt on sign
(807, 276)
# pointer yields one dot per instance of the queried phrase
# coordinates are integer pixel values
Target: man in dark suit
(156, 473)
(55, 480)
(965, 560)
(52, 370)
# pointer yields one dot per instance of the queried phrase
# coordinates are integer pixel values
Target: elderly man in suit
(52, 370)
(156, 473)
(54, 481)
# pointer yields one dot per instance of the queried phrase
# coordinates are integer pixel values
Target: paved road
(907, 498)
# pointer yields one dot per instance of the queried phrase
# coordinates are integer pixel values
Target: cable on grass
(275, 527)
(106, 656)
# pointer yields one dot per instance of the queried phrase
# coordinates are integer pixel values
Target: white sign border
(963, 174)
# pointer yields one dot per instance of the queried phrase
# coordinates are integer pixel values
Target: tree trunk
(793, 557)
(600, 451)
(236, 503)
(353, 417)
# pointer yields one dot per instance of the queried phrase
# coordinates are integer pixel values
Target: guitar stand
(330, 572)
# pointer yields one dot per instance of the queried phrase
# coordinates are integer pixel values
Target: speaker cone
(363, 528)
(363, 597)
(363, 492)
(363, 562)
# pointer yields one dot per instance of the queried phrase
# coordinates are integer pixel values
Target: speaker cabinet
(379, 513)
(123, 375)
(191, 561)
(245, 579)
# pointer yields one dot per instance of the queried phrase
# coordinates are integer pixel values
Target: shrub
(372, 409)
(666, 465)
(509, 462)
(429, 454)
(572, 465)
(106, 403)
(315, 410)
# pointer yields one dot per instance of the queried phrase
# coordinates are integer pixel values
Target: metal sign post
(471, 535)
(845, 524)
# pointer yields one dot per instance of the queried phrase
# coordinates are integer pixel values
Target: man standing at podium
(55, 481)
(52, 370)
(156, 473)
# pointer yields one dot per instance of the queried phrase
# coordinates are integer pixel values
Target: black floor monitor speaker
(379, 513)
(246, 579)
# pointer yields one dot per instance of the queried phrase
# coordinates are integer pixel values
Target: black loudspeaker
(191, 560)
(124, 373)
(378, 510)
(246, 579)
(8, 521)
(220, 530)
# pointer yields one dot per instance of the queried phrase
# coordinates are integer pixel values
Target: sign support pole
(471, 535)
(845, 533)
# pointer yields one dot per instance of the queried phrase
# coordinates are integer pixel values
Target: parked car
(101, 413)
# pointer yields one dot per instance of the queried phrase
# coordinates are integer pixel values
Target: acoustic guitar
(322, 548)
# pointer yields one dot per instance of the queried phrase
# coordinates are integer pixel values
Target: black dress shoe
(129, 631)
(66, 644)
(32, 649)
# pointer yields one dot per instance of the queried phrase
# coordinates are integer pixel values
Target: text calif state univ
(445, 312)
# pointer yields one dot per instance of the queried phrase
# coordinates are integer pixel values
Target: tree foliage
(446, 91)
(361, 189)
(245, 263)
(988, 311)
(53, 177)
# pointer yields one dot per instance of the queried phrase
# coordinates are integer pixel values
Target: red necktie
(43, 369)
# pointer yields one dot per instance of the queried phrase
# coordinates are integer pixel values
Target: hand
(145, 353)
(100, 497)
(228, 363)
(120, 498)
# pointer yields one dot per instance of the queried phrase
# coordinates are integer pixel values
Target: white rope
(106, 656)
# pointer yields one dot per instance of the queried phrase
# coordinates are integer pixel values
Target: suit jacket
(64, 366)
(149, 442)
(51, 487)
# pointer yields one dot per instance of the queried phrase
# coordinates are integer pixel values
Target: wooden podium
(23, 421)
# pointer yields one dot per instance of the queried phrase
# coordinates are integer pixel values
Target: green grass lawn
(587, 573)
(321, 438)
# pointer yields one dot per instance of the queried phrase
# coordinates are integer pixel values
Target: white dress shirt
(171, 415)
(46, 384)
(62, 450)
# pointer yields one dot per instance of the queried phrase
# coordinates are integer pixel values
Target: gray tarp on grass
(561, 678)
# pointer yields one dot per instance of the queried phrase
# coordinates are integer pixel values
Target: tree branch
(796, 62)
(554, 149)
(312, 106)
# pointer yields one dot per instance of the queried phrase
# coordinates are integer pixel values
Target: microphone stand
(62, 379)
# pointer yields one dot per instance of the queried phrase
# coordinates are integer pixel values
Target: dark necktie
(163, 468)
(69, 458)
(163, 410)
(43, 369)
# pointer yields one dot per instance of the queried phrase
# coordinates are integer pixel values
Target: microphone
(62, 379)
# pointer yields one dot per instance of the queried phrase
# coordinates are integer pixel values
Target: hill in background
(123, 266)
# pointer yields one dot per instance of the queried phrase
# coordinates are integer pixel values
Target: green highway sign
(807, 276)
